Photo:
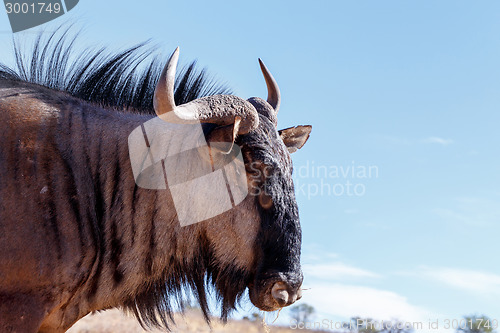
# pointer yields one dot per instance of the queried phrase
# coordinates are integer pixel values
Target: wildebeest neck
(97, 229)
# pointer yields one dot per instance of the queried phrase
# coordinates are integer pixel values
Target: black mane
(119, 80)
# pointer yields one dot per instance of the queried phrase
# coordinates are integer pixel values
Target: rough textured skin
(264, 109)
(221, 110)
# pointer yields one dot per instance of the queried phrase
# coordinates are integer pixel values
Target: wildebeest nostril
(280, 293)
(283, 295)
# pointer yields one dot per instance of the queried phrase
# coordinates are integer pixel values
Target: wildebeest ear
(225, 134)
(295, 137)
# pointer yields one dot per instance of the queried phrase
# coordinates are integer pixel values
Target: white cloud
(326, 266)
(329, 287)
(350, 300)
(336, 271)
(468, 280)
(438, 140)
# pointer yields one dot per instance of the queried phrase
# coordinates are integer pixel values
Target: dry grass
(115, 321)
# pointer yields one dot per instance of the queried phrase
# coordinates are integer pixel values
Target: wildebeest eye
(265, 200)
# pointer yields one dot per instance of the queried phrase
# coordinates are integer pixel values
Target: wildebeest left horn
(273, 91)
(218, 109)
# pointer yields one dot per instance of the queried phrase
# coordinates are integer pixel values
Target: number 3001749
(32, 8)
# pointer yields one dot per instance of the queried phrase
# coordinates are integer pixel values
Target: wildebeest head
(261, 237)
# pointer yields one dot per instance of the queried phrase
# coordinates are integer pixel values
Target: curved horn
(273, 91)
(218, 109)
(163, 101)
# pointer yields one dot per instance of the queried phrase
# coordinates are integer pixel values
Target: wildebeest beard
(153, 306)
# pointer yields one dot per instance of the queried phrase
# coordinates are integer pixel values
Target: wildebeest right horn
(273, 91)
(218, 109)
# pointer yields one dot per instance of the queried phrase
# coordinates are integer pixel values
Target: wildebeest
(78, 235)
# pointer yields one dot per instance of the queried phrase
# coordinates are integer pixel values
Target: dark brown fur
(78, 235)
(73, 217)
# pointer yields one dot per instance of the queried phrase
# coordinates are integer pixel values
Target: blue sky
(409, 88)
